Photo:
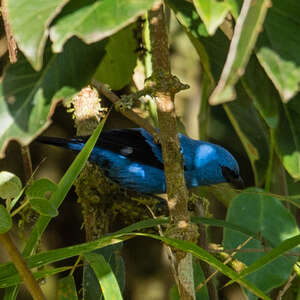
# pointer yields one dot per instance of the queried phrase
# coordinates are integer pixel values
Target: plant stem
(180, 226)
(27, 163)
(31, 284)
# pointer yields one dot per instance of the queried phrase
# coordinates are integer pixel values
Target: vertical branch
(180, 226)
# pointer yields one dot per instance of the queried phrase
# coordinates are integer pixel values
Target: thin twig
(250, 250)
(225, 263)
(31, 284)
(111, 96)
(12, 46)
(286, 286)
(168, 249)
(27, 163)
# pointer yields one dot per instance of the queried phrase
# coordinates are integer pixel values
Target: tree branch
(180, 226)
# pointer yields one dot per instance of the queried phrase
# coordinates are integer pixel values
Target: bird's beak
(237, 183)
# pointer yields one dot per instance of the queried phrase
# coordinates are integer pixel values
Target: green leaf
(67, 289)
(29, 21)
(279, 47)
(252, 132)
(43, 207)
(11, 280)
(91, 287)
(246, 30)
(58, 196)
(116, 68)
(108, 282)
(266, 216)
(41, 259)
(212, 13)
(273, 254)
(10, 185)
(27, 98)
(96, 20)
(40, 187)
(261, 91)
(5, 220)
(287, 136)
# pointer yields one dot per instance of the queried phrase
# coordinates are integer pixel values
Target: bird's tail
(72, 144)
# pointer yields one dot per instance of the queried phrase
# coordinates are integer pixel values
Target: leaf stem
(31, 284)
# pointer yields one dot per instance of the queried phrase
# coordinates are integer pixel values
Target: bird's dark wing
(134, 144)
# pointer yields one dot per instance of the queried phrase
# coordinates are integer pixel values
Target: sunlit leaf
(10, 185)
(92, 21)
(212, 13)
(279, 47)
(29, 21)
(27, 98)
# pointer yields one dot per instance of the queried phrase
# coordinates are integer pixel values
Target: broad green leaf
(112, 255)
(287, 136)
(67, 288)
(5, 220)
(273, 254)
(268, 217)
(251, 131)
(10, 185)
(57, 198)
(40, 187)
(116, 67)
(96, 20)
(262, 92)
(279, 47)
(212, 13)
(44, 207)
(108, 282)
(235, 7)
(246, 30)
(29, 21)
(27, 98)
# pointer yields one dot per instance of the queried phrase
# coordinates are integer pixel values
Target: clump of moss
(105, 204)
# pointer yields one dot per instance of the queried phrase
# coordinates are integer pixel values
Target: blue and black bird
(131, 158)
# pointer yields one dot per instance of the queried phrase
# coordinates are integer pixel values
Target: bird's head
(214, 164)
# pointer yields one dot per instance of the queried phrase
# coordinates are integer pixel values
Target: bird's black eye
(229, 174)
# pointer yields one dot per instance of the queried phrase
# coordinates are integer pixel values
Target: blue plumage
(131, 158)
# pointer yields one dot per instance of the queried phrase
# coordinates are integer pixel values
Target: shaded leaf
(279, 47)
(108, 282)
(28, 97)
(40, 187)
(287, 136)
(5, 220)
(96, 20)
(116, 67)
(247, 28)
(265, 215)
(10, 185)
(262, 92)
(43, 207)
(91, 287)
(212, 13)
(67, 289)
(29, 21)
